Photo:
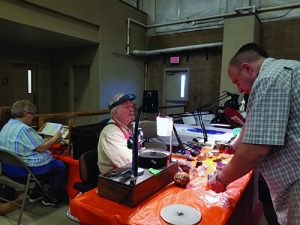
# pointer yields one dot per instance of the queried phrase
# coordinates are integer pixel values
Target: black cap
(121, 98)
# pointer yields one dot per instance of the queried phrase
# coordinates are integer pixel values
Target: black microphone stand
(201, 123)
(180, 144)
(206, 107)
(214, 101)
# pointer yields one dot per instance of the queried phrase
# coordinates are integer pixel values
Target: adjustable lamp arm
(214, 101)
(207, 106)
(204, 133)
(178, 139)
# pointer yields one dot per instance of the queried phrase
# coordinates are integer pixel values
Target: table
(223, 208)
(189, 132)
(215, 208)
(73, 173)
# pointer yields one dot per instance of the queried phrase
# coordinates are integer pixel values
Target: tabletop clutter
(201, 160)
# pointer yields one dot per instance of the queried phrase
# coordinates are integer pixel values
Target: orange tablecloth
(215, 208)
(73, 173)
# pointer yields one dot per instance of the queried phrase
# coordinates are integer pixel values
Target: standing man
(271, 137)
(112, 147)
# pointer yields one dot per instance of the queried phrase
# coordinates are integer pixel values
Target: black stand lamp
(233, 102)
(149, 105)
(220, 119)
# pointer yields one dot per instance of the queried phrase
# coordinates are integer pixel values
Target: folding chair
(89, 171)
(10, 158)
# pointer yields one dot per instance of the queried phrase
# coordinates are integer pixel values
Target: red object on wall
(175, 60)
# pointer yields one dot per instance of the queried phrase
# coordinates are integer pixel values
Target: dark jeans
(55, 169)
(265, 198)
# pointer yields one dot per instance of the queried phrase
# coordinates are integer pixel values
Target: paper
(64, 132)
(154, 171)
(50, 129)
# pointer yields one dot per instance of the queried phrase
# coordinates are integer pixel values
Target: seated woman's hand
(57, 136)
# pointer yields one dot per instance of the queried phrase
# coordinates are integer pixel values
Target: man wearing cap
(112, 146)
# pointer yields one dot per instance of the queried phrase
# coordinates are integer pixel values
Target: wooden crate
(117, 187)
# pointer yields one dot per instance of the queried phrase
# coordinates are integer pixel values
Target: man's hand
(216, 184)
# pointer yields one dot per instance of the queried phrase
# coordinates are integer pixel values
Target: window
(182, 86)
(29, 82)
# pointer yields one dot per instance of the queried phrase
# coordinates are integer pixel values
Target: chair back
(13, 159)
(89, 170)
(85, 138)
(149, 129)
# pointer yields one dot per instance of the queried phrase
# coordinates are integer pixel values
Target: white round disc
(179, 214)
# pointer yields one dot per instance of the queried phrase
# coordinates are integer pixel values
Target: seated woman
(17, 136)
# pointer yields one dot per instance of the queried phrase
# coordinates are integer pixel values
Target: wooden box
(116, 187)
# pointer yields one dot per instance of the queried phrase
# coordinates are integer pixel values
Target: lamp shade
(164, 126)
(230, 113)
(220, 119)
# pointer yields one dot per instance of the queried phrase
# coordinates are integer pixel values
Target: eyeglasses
(32, 113)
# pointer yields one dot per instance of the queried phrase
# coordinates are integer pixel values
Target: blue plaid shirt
(273, 118)
(21, 139)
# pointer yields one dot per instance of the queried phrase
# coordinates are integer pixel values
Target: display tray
(117, 187)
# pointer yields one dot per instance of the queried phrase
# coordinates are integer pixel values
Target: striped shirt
(21, 139)
(273, 118)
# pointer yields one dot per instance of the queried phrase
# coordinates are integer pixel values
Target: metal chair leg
(24, 199)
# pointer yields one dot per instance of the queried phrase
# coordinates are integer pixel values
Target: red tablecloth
(215, 208)
(73, 173)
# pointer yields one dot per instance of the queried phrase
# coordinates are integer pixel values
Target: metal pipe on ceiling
(274, 8)
(296, 5)
(159, 51)
(192, 47)
(191, 20)
(129, 20)
(176, 49)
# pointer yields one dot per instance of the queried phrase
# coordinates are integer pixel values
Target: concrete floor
(37, 214)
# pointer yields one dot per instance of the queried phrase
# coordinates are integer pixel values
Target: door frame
(72, 83)
(170, 69)
(35, 87)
